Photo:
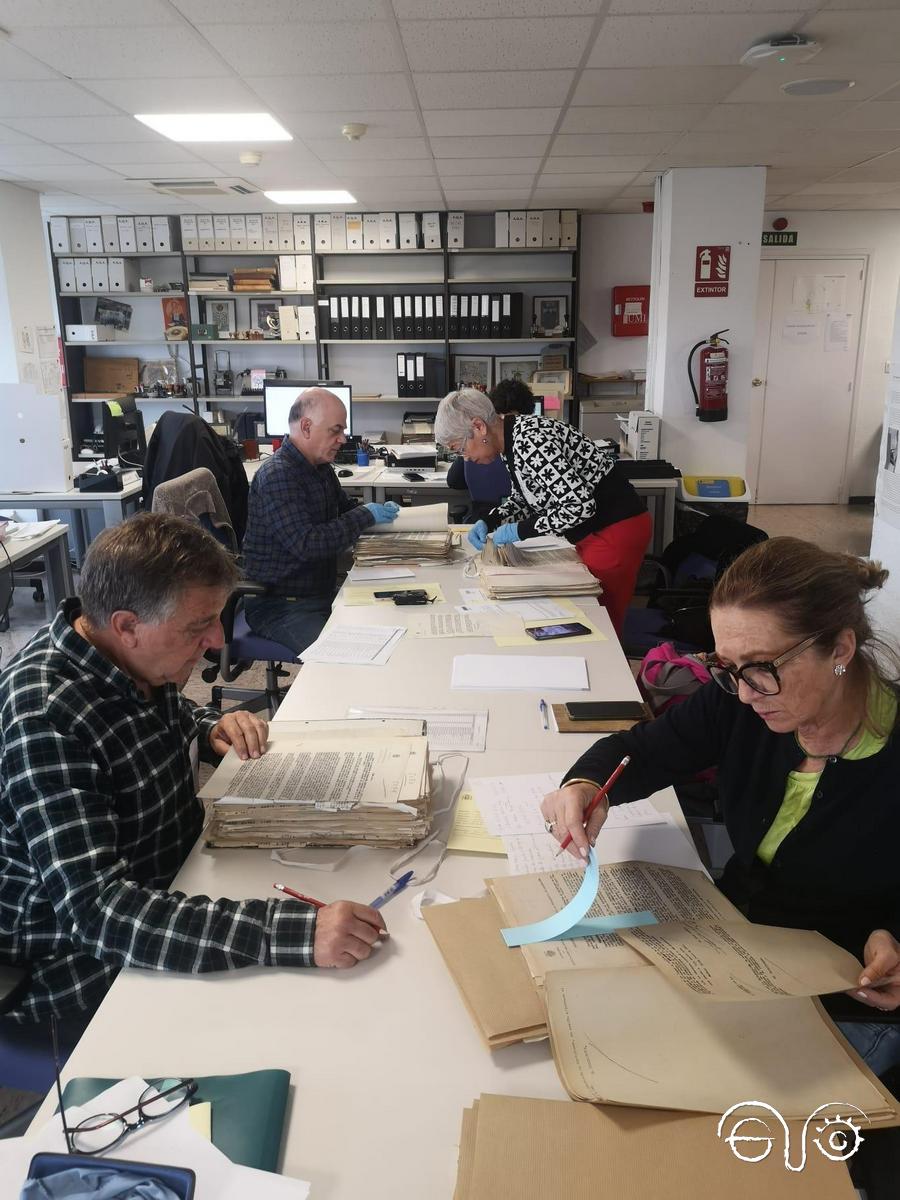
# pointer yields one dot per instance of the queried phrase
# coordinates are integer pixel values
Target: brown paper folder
(493, 980)
(565, 724)
(542, 1149)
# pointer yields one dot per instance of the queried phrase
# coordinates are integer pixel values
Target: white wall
(877, 235)
(26, 287)
(615, 250)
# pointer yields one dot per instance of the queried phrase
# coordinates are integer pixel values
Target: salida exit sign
(786, 238)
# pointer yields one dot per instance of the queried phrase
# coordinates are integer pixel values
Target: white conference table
(53, 547)
(383, 1058)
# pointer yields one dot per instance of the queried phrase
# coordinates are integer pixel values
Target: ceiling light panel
(310, 197)
(216, 127)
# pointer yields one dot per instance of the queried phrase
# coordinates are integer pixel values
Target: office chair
(196, 495)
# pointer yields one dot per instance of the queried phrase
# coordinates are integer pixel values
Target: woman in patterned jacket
(562, 483)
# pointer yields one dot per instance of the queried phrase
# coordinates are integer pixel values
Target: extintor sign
(712, 267)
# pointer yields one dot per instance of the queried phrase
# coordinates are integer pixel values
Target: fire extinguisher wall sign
(712, 267)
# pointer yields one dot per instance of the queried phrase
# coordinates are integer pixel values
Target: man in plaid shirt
(299, 521)
(97, 801)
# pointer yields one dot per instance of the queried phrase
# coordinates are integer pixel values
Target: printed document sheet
(355, 644)
(520, 672)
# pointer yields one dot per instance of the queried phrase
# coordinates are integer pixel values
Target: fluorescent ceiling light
(817, 87)
(216, 127)
(307, 197)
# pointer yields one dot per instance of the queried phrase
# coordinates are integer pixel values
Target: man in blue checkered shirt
(97, 800)
(299, 520)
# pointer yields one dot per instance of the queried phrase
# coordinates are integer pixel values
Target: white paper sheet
(662, 842)
(537, 608)
(519, 672)
(447, 730)
(361, 574)
(451, 624)
(511, 804)
(355, 644)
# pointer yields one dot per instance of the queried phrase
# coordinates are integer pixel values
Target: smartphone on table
(606, 710)
(549, 633)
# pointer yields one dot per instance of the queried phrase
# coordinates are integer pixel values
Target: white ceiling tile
(379, 168)
(110, 153)
(618, 206)
(432, 9)
(639, 193)
(492, 89)
(812, 204)
(280, 175)
(481, 122)
(59, 14)
(876, 203)
(36, 155)
(887, 167)
(417, 191)
(836, 187)
(665, 85)
(10, 135)
(400, 123)
(709, 6)
(319, 48)
(489, 147)
(788, 180)
(191, 95)
(228, 158)
(486, 203)
(686, 41)
(843, 147)
(488, 166)
(649, 177)
(603, 179)
(16, 64)
(330, 93)
(82, 173)
(636, 118)
(48, 99)
(765, 86)
(856, 37)
(337, 149)
(753, 144)
(579, 164)
(278, 12)
(188, 170)
(64, 130)
(88, 53)
(496, 45)
(490, 196)
(790, 113)
(720, 156)
(873, 115)
(612, 143)
(515, 183)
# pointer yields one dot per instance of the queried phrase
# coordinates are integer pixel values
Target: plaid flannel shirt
(97, 814)
(299, 520)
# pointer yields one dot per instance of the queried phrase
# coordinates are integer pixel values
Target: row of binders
(420, 375)
(485, 315)
(305, 232)
(381, 318)
(536, 228)
(112, 235)
(96, 274)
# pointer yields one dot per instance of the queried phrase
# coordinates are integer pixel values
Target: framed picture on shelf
(221, 313)
(264, 316)
(550, 316)
(557, 383)
(473, 370)
(515, 367)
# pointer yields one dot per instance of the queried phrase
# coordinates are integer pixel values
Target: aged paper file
(743, 961)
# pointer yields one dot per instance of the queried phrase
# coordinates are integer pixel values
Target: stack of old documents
(419, 534)
(512, 572)
(325, 783)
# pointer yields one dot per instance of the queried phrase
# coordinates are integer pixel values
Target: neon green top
(798, 793)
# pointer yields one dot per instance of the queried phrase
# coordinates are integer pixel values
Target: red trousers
(614, 555)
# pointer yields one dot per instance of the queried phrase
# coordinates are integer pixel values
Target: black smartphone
(420, 593)
(548, 633)
(605, 710)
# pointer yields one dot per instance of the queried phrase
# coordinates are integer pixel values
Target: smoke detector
(782, 51)
(249, 158)
(353, 132)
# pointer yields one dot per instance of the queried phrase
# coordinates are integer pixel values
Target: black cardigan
(835, 872)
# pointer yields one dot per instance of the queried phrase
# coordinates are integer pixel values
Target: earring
(840, 669)
(484, 441)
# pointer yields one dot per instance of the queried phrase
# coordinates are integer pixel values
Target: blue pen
(397, 886)
(543, 711)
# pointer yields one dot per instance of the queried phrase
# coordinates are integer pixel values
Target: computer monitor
(123, 432)
(280, 394)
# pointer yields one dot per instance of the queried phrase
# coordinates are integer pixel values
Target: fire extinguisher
(712, 402)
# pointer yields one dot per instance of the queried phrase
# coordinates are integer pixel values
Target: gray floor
(837, 527)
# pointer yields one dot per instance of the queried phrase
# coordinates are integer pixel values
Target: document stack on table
(511, 572)
(419, 534)
(325, 783)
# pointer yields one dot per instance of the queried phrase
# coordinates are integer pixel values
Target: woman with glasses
(800, 718)
(562, 483)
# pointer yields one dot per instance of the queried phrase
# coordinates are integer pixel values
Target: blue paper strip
(569, 923)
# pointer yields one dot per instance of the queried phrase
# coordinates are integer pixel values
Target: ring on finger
(549, 826)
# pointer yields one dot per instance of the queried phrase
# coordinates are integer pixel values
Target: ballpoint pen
(598, 796)
(283, 887)
(543, 707)
(397, 886)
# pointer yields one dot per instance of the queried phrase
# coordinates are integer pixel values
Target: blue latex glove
(506, 533)
(383, 513)
(477, 535)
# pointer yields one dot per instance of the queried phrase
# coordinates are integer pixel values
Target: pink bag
(667, 676)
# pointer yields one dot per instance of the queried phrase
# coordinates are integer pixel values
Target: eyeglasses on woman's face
(762, 677)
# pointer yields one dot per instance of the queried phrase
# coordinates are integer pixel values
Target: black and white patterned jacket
(563, 483)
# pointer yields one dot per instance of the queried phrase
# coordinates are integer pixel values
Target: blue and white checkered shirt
(97, 815)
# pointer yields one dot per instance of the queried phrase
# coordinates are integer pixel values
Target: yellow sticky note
(468, 833)
(354, 596)
(522, 639)
(200, 1117)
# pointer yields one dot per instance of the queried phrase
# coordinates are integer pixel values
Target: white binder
(338, 231)
(371, 234)
(143, 232)
(551, 227)
(206, 232)
(189, 237)
(77, 235)
(387, 231)
(456, 223)
(517, 230)
(127, 239)
(302, 232)
(99, 275)
(162, 234)
(534, 228)
(285, 231)
(59, 235)
(66, 268)
(93, 235)
(222, 231)
(270, 231)
(84, 280)
(354, 231)
(322, 229)
(237, 229)
(431, 230)
(501, 228)
(409, 231)
(254, 231)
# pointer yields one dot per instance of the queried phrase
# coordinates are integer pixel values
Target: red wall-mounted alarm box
(631, 310)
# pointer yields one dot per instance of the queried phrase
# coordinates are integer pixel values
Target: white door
(805, 361)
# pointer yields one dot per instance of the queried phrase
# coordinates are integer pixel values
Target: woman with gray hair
(562, 483)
